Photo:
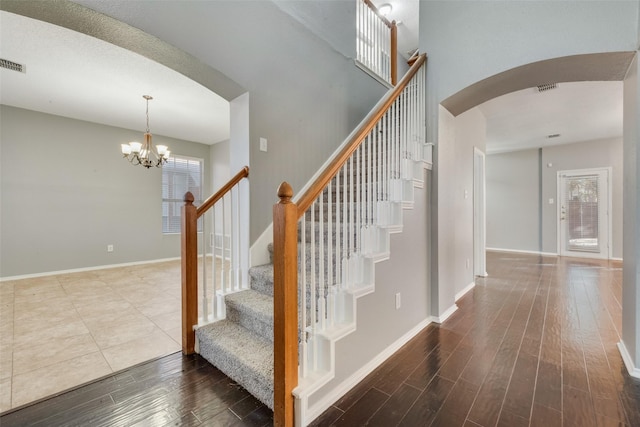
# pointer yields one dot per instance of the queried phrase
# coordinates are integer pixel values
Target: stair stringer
(327, 339)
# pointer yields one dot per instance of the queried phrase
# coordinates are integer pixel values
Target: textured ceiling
(74, 75)
(578, 111)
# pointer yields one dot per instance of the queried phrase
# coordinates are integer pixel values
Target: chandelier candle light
(143, 153)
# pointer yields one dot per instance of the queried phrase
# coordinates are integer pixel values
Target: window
(179, 175)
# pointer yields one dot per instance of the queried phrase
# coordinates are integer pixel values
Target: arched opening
(606, 67)
(87, 318)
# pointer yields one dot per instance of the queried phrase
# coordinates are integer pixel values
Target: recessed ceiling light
(385, 9)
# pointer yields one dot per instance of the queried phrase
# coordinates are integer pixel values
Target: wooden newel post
(285, 305)
(189, 254)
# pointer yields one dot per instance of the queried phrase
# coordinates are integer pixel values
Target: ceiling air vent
(550, 86)
(553, 135)
(10, 65)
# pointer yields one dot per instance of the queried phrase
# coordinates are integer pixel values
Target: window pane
(179, 175)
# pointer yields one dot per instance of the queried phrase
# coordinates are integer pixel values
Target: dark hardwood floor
(534, 344)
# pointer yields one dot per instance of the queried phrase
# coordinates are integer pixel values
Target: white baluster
(303, 297)
(204, 301)
(312, 293)
(322, 281)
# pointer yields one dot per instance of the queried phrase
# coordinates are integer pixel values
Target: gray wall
(67, 193)
(471, 133)
(631, 245)
(305, 96)
(470, 41)
(520, 184)
(379, 323)
(513, 200)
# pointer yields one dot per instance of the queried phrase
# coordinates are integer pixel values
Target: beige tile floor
(60, 331)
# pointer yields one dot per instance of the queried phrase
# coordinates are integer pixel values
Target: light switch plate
(263, 144)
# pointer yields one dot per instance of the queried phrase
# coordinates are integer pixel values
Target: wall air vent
(10, 65)
(553, 135)
(550, 86)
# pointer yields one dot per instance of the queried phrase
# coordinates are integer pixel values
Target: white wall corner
(465, 290)
(633, 370)
(259, 252)
(444, 316)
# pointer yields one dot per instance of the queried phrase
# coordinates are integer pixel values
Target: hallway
(533, 344)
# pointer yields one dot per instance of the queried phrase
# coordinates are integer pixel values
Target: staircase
(241, 345)
(343, 230)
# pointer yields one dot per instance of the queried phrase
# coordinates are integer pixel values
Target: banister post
(189, 255)
(285, 306)
(394, 53)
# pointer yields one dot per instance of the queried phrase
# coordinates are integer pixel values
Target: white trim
(345, 386)
(373, 74)
(609, 209)
(479, 213)
(465, 290)
(519, 251)
(447, 313)
(83, 269)
(628, 361)
(616, 259)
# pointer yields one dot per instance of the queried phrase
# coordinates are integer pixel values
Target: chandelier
(144, 153)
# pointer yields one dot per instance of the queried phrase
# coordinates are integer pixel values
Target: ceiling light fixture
(143, 153)
(385, 9)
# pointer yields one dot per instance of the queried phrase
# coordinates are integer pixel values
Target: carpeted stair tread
(262, 277)
(242, 355)
(253, 310)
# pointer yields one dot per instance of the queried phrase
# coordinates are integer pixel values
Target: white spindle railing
(220, 257)
(374, 48)
(341, 228)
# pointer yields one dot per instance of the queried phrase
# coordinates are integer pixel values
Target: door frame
(479, 213)
(609, 222)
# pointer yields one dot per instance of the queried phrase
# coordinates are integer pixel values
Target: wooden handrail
(377, 12)
(206, 205)
(189, 258)
(312, 193)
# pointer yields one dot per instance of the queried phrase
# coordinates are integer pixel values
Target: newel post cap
(285, 192)
(188, 198)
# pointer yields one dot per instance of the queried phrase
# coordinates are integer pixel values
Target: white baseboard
(80, 270)
(634, 371)
(465, 290)
(519, 251)
(616, 259)
(444, 316)
(345, 386)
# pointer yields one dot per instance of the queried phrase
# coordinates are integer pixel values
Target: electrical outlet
(263, 144)
(109, 248)
(398, 301)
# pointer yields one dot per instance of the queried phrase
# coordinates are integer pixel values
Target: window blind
(179, 175)
(583, 222)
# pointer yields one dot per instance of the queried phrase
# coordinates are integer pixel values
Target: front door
(583, 217)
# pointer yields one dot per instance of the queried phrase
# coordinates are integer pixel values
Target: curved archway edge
(608, 66)
(87, 21)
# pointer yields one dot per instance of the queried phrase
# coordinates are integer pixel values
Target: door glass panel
(582, 213)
